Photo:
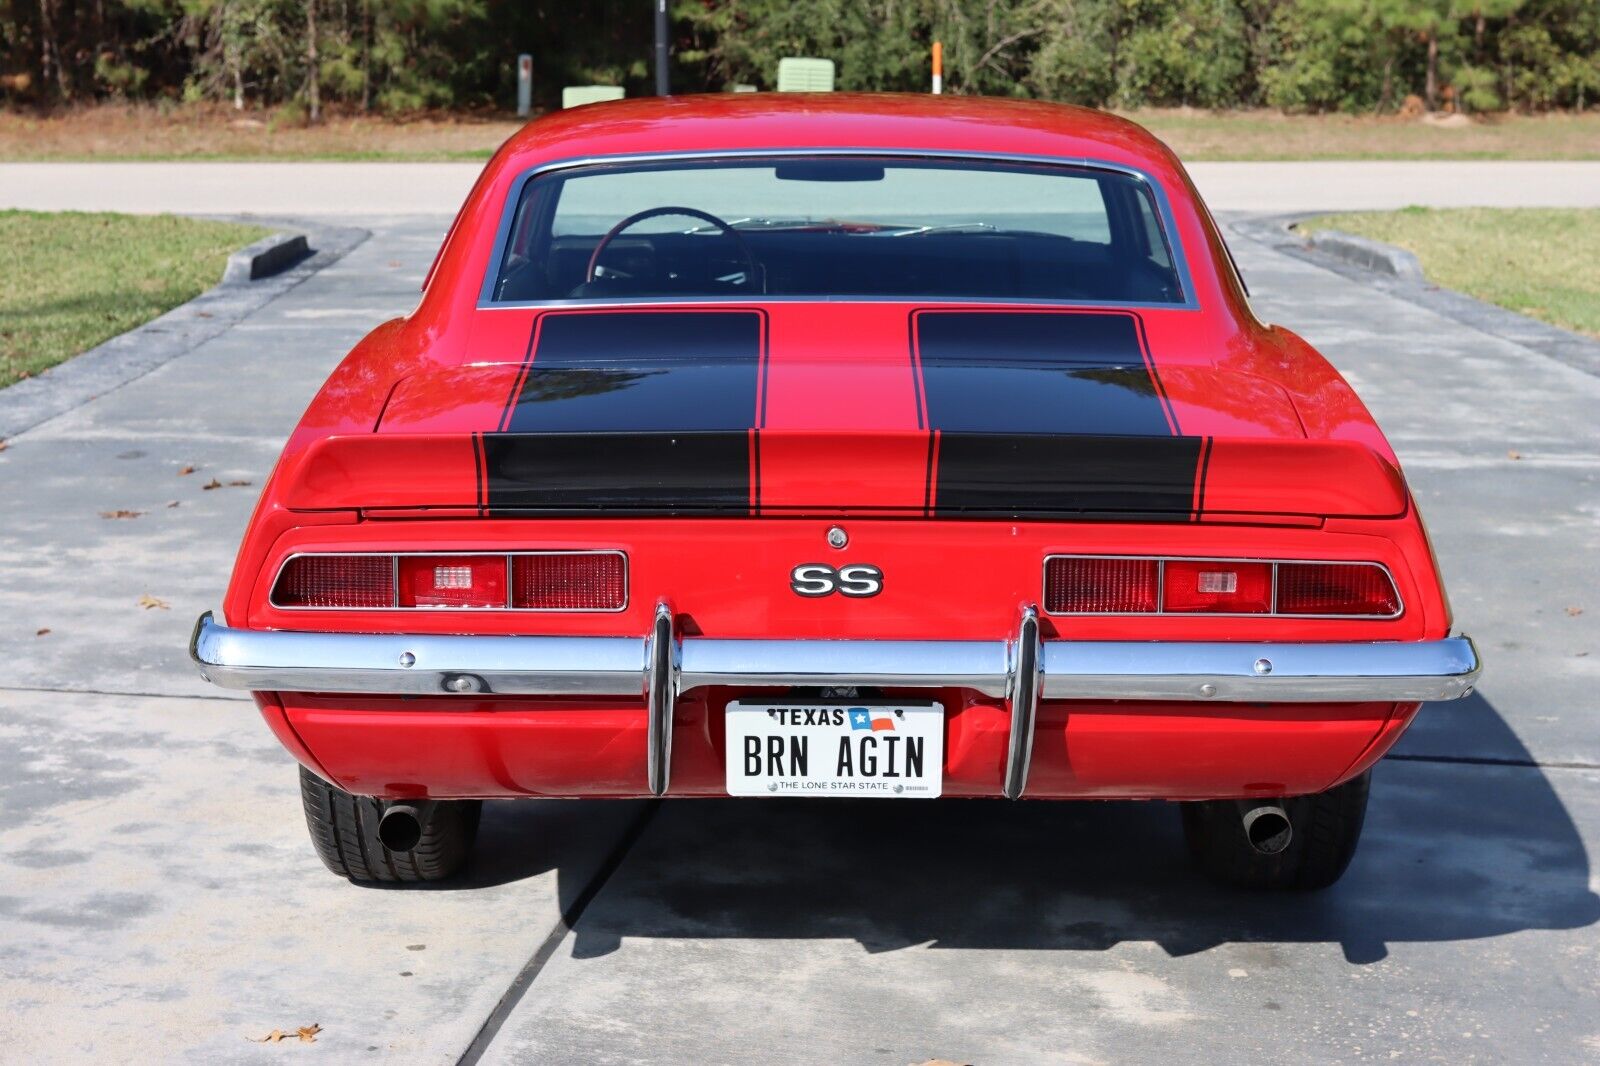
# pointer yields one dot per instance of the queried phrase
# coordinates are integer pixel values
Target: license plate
(884, 750)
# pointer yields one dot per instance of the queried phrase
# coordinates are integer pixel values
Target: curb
(1365, 252)
(1564, 346)
(131, 355)
(270, 255)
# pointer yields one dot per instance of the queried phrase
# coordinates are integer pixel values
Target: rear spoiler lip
(1238, 477)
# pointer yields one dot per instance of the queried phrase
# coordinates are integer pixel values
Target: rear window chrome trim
(395, 608)
(508, 211)
(1161, 568)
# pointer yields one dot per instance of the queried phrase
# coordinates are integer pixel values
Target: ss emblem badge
(820, 579)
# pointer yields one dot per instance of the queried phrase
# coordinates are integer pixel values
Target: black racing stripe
(1200, 481)
(1050, 413)
(1025, 475)
(633, 473)
(648, 411)
(641, 370)
(480, 486)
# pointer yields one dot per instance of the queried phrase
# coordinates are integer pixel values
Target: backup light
(452, 581)
(1216, 587)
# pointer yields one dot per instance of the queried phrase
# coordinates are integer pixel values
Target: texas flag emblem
(876, 721)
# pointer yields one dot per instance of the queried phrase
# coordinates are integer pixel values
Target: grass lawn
(1261, 135)
(136, 132)
(1543, 262)
(74, 280)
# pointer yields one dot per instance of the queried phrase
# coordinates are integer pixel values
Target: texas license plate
(887, 750)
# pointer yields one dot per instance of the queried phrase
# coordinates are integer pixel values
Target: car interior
(1118, 252)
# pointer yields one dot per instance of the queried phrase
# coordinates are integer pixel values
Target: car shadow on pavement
(1451, 851)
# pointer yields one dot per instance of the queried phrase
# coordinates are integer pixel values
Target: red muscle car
(861, 446)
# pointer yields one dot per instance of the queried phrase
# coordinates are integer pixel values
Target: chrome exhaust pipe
(1267, 828)
(400, 828)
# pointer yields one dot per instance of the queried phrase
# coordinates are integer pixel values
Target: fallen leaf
(3, 445)
(151, 603)
(202, 314)
(238, 484)
(186, 470)
(212, 484)
(121, 512)
(307, 1034)
(1513, 454)
(1573, 612)
(45, 632)
(172, 503)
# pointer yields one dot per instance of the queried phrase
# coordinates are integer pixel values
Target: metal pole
(662, 86)
(524, 85)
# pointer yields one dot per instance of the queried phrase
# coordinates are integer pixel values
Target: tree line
(399, 56)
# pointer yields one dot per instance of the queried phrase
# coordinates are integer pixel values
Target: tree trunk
(1430, 90)
(366, 55)
(50, 65)
(313, 71)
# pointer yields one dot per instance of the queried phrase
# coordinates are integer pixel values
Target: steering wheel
(656, 212)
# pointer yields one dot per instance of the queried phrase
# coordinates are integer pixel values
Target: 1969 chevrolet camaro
(862, 446)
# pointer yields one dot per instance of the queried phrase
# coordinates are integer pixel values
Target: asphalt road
(344, 189)
(159, 899)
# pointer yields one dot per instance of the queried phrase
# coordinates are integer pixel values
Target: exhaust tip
(1267, 828)
(400, 828)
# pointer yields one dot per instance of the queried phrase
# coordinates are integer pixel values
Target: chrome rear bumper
(660, 666)
(410, 664)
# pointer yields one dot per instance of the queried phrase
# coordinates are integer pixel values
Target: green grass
(1542, 262)
(73, 280)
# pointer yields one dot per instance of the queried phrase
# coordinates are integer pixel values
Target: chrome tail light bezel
(510, 556)
(1160, 583)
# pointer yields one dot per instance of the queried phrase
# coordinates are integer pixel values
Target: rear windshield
(846, 227)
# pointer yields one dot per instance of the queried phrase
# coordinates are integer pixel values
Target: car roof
(721, 122)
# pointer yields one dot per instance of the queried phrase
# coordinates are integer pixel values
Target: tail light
(336, 581)
(1086, 584)
(1102, 586)
(534, 581)
(1336, 588)
(592, 582)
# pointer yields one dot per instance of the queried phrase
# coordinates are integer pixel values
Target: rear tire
(1327, 828)
(344, 830)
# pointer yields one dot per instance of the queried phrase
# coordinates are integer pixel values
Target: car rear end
(1064, 527)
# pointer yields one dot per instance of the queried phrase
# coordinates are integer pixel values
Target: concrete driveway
(159, 899)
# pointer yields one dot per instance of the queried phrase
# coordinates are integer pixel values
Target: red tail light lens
(452, 581)
(1101, 586)
(1089, 584)
(572, 581)
(545, 581)
(336, 581)
(1336, 588)
(1216, 586)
